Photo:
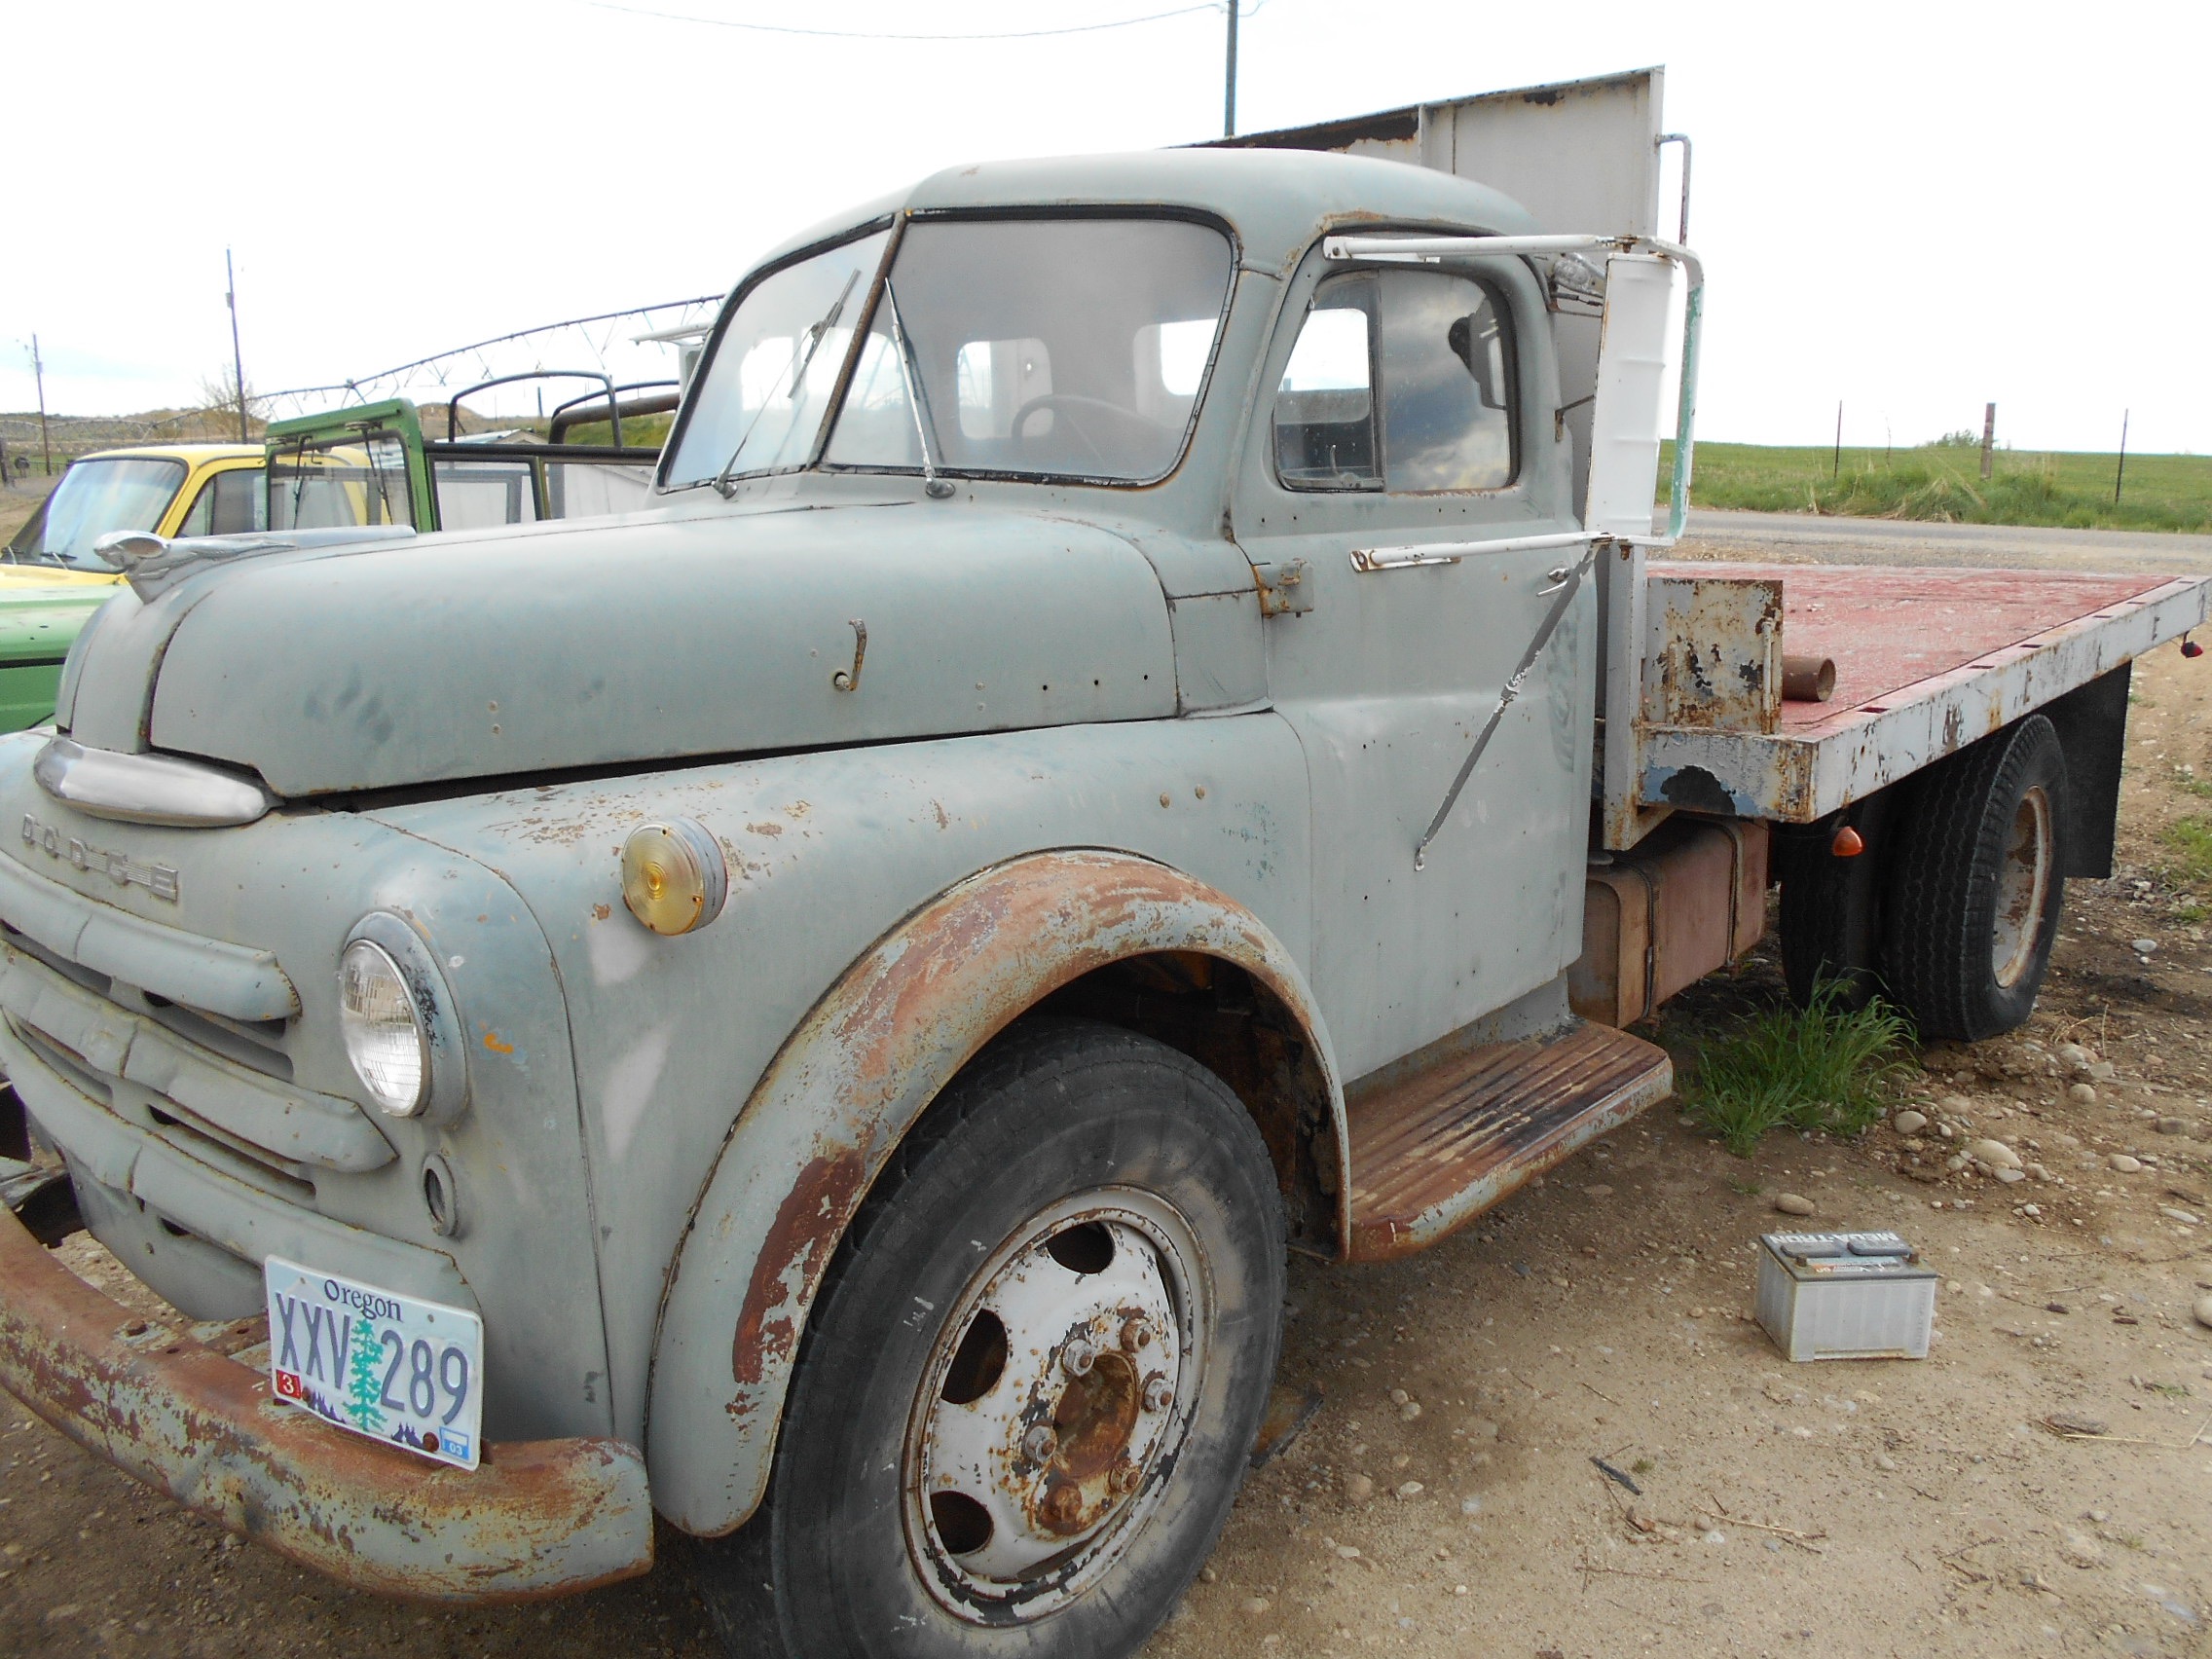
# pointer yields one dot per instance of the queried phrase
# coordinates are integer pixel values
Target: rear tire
(1975, 892)
(957, 1475)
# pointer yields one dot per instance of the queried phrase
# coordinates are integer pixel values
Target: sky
(1907, 208)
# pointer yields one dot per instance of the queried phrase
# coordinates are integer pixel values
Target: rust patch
(539, 1518)
(785, 1275)
(492, 1042)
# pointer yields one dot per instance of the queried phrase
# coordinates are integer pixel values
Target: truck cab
(817, 1010)
(51, 581)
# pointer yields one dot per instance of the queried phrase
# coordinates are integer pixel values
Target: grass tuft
(2189, 840)
(1816, 1069)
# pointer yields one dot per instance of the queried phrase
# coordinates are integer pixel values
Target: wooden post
(1988, 438)
(38, 373)
(2120, 476)
(1835, 467)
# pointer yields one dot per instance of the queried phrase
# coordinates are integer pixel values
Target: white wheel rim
(1018, 1496)
(2023, 884)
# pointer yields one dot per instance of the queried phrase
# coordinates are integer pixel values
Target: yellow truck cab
(51, 582)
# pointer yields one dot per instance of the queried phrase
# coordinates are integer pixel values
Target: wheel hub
(1056, 1389)
(2023, 884)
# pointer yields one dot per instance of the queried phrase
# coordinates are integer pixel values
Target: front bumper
(539, 1518)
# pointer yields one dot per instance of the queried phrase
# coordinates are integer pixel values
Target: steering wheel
(1071, 403)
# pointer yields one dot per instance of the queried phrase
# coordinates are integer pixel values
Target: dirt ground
(18, 501)
(1446, 1500)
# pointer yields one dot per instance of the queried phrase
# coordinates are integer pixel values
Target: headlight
(384, 1037)
(397, 1019)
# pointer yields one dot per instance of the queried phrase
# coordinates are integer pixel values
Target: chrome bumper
(539, 1518)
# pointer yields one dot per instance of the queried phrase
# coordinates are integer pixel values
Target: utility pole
(2120, 477)
(1229, 97)
(1988, 438)
(1835, 469)
(238, 360)
(38, 373)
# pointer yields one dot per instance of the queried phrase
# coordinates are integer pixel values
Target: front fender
(846, 1087)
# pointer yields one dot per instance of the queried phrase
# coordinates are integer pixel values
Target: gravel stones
(2082, 1094)
(2172, 1125)
(1358, 1489)
(2126, 1164)
(2074, 1058)
(1994, 1153)
(2204, 1310)
(1792, 1204)
(1909, 1123)
(2144, 947)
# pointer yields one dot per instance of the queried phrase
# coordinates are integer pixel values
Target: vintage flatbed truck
(817, 1010)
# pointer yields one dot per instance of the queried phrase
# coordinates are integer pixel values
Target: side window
(230, 503)
(1430, 351)
(1325, 406)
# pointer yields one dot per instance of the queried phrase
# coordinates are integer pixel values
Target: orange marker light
(1848, 843)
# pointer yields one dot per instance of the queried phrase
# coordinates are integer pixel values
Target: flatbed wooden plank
(1928, 660)
(1434, 1150)
(1889, 628)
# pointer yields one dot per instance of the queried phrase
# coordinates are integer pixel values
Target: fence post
(2120, 476)
(1988, 438)
(1835, 466)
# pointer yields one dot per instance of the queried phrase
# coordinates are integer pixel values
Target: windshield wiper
(802, 359)
(933, 487)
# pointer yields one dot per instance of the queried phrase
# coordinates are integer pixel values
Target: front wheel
(1974, 889)
(1033, 1376)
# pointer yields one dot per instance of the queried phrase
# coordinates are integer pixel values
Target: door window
(1430, 352)
(230, 503)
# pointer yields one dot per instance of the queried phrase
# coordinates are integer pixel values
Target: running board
(1431, 1152)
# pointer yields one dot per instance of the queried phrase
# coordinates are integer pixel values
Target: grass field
(1942, 482)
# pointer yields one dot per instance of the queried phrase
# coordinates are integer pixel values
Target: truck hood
(656, 637)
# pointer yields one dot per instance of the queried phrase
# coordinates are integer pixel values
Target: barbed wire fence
(619, 343)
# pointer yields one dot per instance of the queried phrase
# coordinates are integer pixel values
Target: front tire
(1976, 890)
(1033, 1376)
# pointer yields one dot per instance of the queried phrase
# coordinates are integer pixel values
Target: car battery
(1845, 1296)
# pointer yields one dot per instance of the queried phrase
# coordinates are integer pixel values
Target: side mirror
(1624, 424)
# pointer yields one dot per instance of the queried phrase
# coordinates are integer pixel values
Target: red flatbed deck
(1927, 660)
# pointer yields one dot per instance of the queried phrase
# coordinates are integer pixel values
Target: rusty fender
(846, 1087)
(539, 1518)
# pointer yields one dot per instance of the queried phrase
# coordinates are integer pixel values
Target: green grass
(2189, 841)
(1819, 1069)
(1942, 482)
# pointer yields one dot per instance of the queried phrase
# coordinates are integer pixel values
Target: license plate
(406, 1372)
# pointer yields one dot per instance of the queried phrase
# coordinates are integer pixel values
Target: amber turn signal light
(1848, 843)
(673, 876)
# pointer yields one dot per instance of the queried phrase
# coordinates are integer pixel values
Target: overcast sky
(1910, 207)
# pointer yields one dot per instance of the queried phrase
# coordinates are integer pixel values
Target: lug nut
(1158, 1392)
(1062, 1509)
(1040, 1445)
(1135, 1333)
(1079, 1356)
(1121, 1477)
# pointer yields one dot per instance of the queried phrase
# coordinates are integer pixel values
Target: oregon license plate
(392, 1367)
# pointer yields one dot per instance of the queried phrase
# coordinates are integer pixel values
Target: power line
(876, 34)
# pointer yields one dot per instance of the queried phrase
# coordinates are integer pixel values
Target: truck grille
(215, 1087)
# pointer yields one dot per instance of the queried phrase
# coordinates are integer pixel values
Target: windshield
(359, 479)
(93, 499)
(1038, 347)
(1072, 348)
(775, 367)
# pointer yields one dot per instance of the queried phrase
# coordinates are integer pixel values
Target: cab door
(1408, 419)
